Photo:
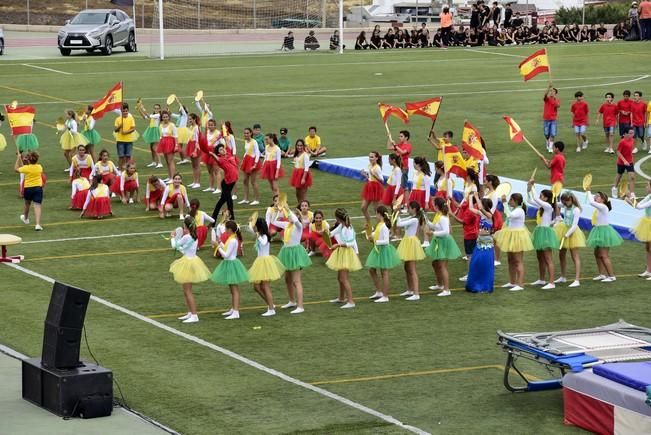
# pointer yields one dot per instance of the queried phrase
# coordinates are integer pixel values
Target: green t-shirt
(260, 140)
(284, 143)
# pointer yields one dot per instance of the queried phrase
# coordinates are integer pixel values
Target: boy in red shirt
(638, 115)
(625, 162)
(556, 164)
(550, 115)
(470, 222)
(403, 149)
(580, 112)
(608, 111)
(624, 112)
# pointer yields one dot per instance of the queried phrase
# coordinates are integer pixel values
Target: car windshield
(90, 18)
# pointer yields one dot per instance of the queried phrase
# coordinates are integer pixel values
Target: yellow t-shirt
(313, 143)
(32, 175)
(127, 124)
(648, 110)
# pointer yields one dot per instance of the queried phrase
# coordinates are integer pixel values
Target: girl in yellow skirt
(344, 257)
(572, 238)
(184, 133)
(383, 257)
(602, 237)
(231, 271)
(410, 249)
(188, 269)
(71, 138)
(544, 238)
(642, 230)
(265, 268)
(514, 239)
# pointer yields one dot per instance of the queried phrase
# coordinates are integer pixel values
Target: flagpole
(549, 65)
(532, 147)
(434, 120)
(386, 125)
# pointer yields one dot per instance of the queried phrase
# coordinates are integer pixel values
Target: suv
(2, 42)
(100, 29)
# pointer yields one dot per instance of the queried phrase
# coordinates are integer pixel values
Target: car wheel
(131, 43)
(65, 51)
(108, 46)
(2, 47)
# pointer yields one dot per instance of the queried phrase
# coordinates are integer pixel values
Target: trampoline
(572, 351)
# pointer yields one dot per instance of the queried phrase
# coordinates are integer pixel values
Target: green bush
(609, 14)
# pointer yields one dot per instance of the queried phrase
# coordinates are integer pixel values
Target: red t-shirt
(638, 112)
(580, 111)
(229, 165)
(470, 223)
(557, 167)
(624, 105)
(625, 148)
(609, 113)
(406, 146)
(550, 110)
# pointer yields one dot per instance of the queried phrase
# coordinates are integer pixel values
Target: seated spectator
(519, 36)
(472, 39)
(492, 38)
(313, 144)
(592, 34)
(311, 43)
(533, 34)
(543, 37)
(400, 39)
(508, 35)
(423, 36)
(376, 40)
(334, 41)
(414, 41)
(602, 32)
(620, 31)
(481, 35)
(575, 33)
(584, 36)
(360, 41)
(437, 41)
(554, 36)
(284, 143)
(460, 37)
(288, 42)
(389, 40)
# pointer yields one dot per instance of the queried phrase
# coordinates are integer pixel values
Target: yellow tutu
(344, 258)
(514, 240)
(3, 142)
(576, 240)
(409, 249)
(134, 136)
(267, 268)
(642, 230)
(189, 270)
(70, 141)
(184, 135)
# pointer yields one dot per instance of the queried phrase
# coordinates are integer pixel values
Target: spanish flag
(535, 64)
(515, 132)
(428, 108)
(20, 119)
(387, 110)
(454, 162)
(471, 141)
(111, 101)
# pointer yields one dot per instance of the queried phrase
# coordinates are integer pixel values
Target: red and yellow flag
(535, 64)
(387, 110)
(471, 141)
(20, 119)
(515, 132)
(111, 101)
(428, 108)
(454, 162)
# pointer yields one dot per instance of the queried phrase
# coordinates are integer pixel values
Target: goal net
(212, 27)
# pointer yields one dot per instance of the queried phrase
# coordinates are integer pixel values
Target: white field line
(45, 69)
(108, 236)
(238, 357)
(494, 52)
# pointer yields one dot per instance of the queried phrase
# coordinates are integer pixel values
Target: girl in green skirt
(383, 256)
(442, 248)
(602, 236)
(544, 237)
(231, 271)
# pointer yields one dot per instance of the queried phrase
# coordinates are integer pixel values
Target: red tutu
(202, 233)
(167, 145)
(191, 148)
(248, 164)
(498, 220)
(317, 241)
(372, 191)
(172, 200)
(99, 207)
(110, 178)
(85, 172)
(419, 197)
(389, 194)
(269, 171)
(297, 176)
(115, 187)
(130, 186)
(441, 194)
(155, 196)
(78, 200)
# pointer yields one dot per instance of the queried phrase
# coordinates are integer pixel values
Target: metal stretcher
(572, 351)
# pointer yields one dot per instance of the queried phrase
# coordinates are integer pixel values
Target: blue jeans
(549, 128)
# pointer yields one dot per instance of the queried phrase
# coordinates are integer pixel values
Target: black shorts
(624, 168)
(469, 245)
(33, 194)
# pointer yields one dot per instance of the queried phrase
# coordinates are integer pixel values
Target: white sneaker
(234, 315)
(158, 166)
(196, 186)
(516, 288)
(38, 228)
(382, 299)
(444, 293)
(539, 282)
(549, 286)
(377, 294)
(425, 245)
(208, 189)
(244, 201)
(234, 197)
(612, 151)
(407, 293)
(613, 192)
(497, 263)
(609, 279)
(348, 305)
(254, 203)
(336, 301)
(311, 254)
(508, 285)
(297, 310)
(649, 278)
(67, 169)
(113, 195)
(599, 278)
(151, 165)
(218, 190)
(183, 162)
(644, 274)
(578, 149)
(23, 219)
(560, 280)
(585, 145)
(464, 258)
(181, 217)
(185, 316)
(575, 284)
(413, 298)
(635, 150)
(192, 319)
(608, 150)
(289, 304)
(269, 313)
(228, 313)
(649, 151)
(464, 278)
(434, 287)
(130, 200)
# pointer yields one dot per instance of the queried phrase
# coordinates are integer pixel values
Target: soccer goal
(213, 27)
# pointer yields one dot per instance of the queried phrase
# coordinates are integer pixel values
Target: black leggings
(226, 197)
(446, 36)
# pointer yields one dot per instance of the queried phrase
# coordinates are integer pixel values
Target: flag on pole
(515, 132)
(20, 119)
(428, 108)
(454, 162)
(111, 101)
(535, 64)
(387, 110)
(471, 142)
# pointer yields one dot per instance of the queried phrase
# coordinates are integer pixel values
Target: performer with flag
(428, 108)
(387, 110)
(125, 135)
(21, 122)
(472, 144)
(111, 101)
(403, 150)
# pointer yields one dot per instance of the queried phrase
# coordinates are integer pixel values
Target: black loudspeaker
(84, 391)
(63, 326)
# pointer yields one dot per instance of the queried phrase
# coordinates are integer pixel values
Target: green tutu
(603, 236)
(230, 272)
(544, 238)
(294, 257)
(92, 136)
(151, 135)
(443, 248)
(383, 257)
(27, 142)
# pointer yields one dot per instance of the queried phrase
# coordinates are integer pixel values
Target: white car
(97, 29)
